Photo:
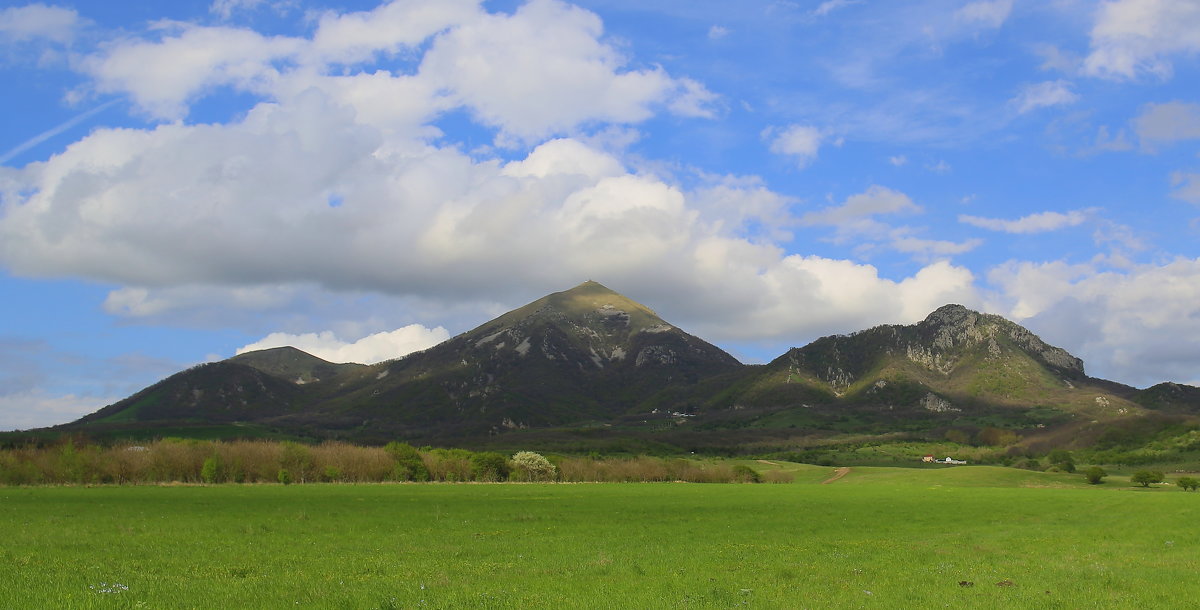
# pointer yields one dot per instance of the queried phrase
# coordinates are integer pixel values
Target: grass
(878, 538)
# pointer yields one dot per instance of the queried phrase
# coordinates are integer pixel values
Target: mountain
(217, 392)
(294, 365)
(957, 366)
(588, 367)
(585, 355)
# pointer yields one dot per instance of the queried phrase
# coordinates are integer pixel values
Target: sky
(183, 181)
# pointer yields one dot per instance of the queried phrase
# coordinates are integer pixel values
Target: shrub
(211, 469)
(489, 466)
(1062, 459)
(297, 459)
(533, 466)
(1146, 477)
(284, 476)
(1095, 475)
(409, 465)
(745, 474)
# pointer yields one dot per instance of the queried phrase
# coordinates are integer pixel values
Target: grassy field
(876, 538)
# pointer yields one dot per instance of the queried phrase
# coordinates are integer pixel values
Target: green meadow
(974, 537)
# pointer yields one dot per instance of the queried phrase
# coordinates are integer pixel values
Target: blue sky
(180, 181)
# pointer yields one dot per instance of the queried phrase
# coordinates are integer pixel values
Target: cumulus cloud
(1128, 322)
(373, 348)
(988, 13)
(387, 29)
(543, 70)
(1135, 37)
(801, 142)
(38, 21)
(1040, 222)
(1166, 123)
(1041, 95)
(162, 77)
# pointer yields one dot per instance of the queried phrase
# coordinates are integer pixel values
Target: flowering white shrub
(534, 466)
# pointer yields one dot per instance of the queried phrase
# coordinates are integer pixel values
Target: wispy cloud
(1033, 223)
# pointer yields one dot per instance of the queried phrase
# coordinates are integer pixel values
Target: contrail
(50, 133)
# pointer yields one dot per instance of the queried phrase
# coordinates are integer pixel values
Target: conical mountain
(585, 354)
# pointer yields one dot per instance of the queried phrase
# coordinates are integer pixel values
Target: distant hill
(295, 365)
(590, 367)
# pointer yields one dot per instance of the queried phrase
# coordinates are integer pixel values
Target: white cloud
(874, 201)
(1127, 324)
(389, 28)
(1187, 186)
(163, 77)
(898, 160)
(1041, 95)
(799, 141)
(988, 13)
(543, 70)
(36, 409)
(1167, 122)
(933, 249)
(33, 21)
(717, 32)
(373, 348)
(1040, 222)
(1135, 37)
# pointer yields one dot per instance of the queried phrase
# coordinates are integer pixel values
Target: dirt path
(767, 462)
(837, 474)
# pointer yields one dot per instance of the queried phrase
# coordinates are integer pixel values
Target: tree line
(257, 461)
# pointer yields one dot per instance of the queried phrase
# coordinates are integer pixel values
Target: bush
(409, 465)
(211, 470)
(1095, 475)
(1146, 477)
(1062, 459)
(489, 466)
(284, 476)
(745, 474)
(533, 466)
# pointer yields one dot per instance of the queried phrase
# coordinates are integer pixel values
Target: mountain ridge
(590, 361)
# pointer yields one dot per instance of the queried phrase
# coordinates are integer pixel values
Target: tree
(1095, 475)
(1062, 459)
(534, 466)
(1187, 483)
(1146, 477)
(211, 469)
(409, 465)
(489, 466)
